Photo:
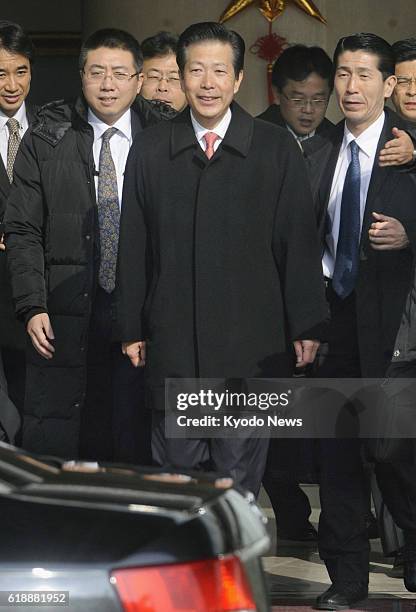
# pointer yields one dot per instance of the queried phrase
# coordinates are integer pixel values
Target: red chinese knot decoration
(269, 47)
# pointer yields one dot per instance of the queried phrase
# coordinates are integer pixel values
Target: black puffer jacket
(51, 229)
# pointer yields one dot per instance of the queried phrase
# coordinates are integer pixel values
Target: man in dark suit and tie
(16, 56)
(367, 216)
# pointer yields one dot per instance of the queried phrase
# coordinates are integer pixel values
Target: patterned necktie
(210, 138)
(346, 263)
(108, 214)
(13, 145)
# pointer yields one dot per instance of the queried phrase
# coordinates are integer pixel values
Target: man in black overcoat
(220, 204)
(83, 398)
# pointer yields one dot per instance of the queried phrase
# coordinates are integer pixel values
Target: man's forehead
(212, 50)
(312, 82)
(160, 61)
(109, 55)
(8, 58)
(358, 59)
(406, 67)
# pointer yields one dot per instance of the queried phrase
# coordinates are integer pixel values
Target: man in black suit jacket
(302, 84)
(367, 217)
(16, 55)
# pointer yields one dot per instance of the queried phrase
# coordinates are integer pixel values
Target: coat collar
(237, 138)
(56, 118)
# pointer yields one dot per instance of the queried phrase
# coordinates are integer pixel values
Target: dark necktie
(210, 138)
(346, 263)
(13, 145)
(108, 214)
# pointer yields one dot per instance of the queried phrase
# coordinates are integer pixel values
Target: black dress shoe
(398, 565)
(307, 533)
(409, 575)
(341, 597)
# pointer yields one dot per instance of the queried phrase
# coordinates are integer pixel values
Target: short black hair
(15, 40)
(298, 62)
(371, 43)
(112, 39)
(404, 50)
(211, 30)
(159, 45)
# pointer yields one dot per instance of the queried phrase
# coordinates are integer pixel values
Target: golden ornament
(271, 9)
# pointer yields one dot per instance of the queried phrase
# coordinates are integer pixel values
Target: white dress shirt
(120, 144)
(219, 129)
(4, 130)
(367, 142)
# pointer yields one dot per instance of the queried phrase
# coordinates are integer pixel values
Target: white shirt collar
(219, 129)
(123, 124)
(20, 115)
(298, 137)
(367, 140)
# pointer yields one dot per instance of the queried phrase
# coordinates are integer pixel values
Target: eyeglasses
(405, 82)
(303, 102)
(171, 79)
(96, 75)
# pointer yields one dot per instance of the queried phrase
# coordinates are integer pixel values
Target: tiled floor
(297, 575)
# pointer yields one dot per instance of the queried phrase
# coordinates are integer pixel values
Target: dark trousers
(397, 480)
(343, 539)
(115, 425)
(290, 504)
(242, 459)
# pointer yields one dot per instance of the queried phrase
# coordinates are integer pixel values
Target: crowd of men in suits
(154, 229)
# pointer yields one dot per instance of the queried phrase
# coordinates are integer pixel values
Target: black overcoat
(52, 244)
(384, 277)
(233, 269)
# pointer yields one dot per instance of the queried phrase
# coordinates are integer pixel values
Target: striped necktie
(13, 145)
(210, 138)
(108, 214)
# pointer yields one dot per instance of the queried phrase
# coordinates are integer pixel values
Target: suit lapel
(327, 162)
(379, 176)
(4, 180)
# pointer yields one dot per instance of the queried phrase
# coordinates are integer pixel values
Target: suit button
(85, 295)
(76, 405)
(87, 237)
(396, 354)
(82, 349)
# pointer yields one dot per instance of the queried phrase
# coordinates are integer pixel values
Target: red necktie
(210, 138)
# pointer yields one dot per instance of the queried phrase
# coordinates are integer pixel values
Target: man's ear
(389, 85)
(276, 95)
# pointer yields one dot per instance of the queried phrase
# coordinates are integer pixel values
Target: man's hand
(398, 151)
(387, 234)
(2, 245)
(40, 331)
(136, 352)
(305, 351)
